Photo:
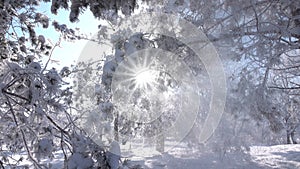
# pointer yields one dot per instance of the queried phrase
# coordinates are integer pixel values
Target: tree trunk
(160, 143)
(293, 137)
(295, 11)
(116, 127)
(288, 138)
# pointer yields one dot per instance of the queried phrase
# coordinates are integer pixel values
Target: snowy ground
(183, 157)
(280, 156)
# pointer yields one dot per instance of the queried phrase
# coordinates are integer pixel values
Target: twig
(1, 165)
(291, 67)
(51, 53)
(22, 132)
(16, 95)
(284, 88)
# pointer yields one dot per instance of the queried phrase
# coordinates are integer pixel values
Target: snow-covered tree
(36, 102)
(254, 35)
(260, 36)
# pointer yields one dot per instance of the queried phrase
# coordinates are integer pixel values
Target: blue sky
(68, 52)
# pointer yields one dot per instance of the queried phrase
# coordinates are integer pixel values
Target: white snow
(35, 66)
(184, 157)
(41, 39)
(279, 156)
(78, 161)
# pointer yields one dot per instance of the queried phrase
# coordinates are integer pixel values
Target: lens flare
(145, 78)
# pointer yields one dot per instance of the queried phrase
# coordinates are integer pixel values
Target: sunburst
(138, 73)
(146, 84)
(145, 78)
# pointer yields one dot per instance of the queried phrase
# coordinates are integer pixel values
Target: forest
(160, 84)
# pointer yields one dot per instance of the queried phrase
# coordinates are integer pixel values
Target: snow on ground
(56, 163)
(280, 156)
(184, 157)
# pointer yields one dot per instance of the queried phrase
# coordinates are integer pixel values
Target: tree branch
(284, 88)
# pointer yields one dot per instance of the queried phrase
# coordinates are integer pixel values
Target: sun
(138, 72)
(145, 78)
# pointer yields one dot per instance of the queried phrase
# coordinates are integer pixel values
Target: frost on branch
(100, 8)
